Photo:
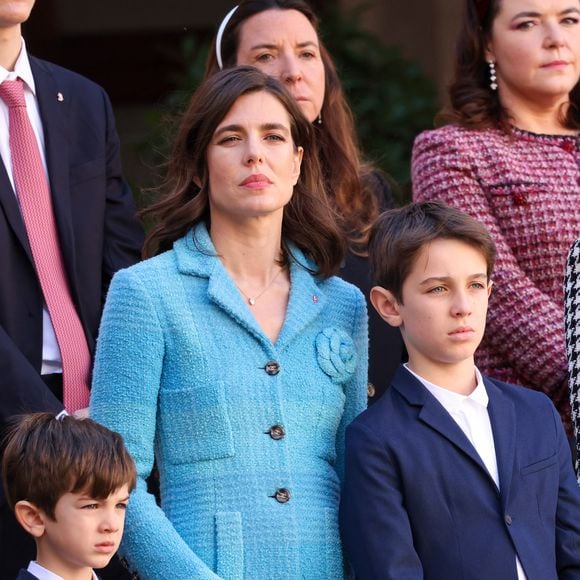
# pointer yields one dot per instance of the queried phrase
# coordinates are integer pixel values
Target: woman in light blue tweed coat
(233, 357)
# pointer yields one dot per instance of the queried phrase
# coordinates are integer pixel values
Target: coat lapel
(433, 414)
(53, 115)
(196, 255)
(225, 294)
(307, 299)
(502, 415)
(11, 209)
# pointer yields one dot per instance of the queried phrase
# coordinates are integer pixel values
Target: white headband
(220, 33)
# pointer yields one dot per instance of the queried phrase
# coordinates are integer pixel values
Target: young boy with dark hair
(452, 474)
(68, 481)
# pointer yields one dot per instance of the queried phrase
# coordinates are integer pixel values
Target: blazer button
(272, 368)
(508, 519)
(277, 432)
(282, 495)
(371, 391)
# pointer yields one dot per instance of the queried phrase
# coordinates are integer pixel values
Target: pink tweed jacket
(525, 188)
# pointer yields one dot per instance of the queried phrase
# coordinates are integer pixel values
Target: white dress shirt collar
(451, 400)
(43, 574)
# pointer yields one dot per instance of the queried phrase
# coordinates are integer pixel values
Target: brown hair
(348, 180)
(309, 221)
(46, 457)
(400, 234)
(473, 103)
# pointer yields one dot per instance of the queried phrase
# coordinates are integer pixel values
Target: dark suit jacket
(419, 503)
(96, 223)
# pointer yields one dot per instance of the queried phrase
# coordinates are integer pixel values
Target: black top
(386, 348)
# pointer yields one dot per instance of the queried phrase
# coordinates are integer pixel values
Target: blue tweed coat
(248, 435)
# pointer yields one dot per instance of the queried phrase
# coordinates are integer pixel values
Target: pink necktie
(33, 193)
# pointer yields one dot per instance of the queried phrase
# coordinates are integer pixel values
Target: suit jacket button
(277, 432)
(508, 519)
(272, 368)
(282, 495)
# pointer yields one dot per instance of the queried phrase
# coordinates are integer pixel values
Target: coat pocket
(229, 545)
(87, 171)
(539, 465)
(517, 193)
(194, 424)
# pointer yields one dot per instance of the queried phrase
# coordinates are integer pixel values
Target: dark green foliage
(391, 98)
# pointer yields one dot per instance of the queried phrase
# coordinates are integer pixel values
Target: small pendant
(251, 301)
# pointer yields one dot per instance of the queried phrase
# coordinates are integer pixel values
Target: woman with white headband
(280, 37)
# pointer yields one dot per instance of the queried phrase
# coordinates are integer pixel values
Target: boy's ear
(489, 287)
(30, 518)
(386, 305)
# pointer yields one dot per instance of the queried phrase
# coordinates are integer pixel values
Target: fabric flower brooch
(336, 354)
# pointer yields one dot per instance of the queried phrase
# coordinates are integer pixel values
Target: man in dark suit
(452, 474)
(97, 231)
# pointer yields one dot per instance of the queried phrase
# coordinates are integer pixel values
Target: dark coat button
(508, 519)
(277, 432)
(272, 368)
(282, 495)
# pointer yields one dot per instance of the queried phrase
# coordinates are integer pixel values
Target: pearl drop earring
(492, 75)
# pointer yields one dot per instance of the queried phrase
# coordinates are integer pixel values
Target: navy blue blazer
(97, 227)
(419, 503)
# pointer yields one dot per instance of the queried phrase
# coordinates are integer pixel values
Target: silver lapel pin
(59, 97)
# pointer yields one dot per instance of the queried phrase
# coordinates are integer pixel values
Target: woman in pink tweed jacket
(511, 159)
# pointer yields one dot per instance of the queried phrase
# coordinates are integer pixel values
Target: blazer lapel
(307, 299)
(502, 415)
(53, 115)
(196, 255)
(11, 209)
(225, 294)
(434, 415)
(305, 302)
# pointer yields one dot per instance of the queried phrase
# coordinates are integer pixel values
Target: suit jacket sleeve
(123, 235)
(374, 524)
(126, 384)
(25, 391)
(443, 172)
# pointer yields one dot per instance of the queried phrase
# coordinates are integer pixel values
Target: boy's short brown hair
(46, 457)
(400, 234)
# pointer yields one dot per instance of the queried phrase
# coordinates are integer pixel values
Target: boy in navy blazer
(68, 481)
(452, 475)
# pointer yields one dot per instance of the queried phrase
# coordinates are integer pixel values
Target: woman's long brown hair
(309, 220)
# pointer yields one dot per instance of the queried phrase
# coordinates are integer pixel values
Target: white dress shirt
(43, 574)
(470, 413)
(51, 359)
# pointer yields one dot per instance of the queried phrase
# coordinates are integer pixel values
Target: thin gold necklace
(252, 299)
